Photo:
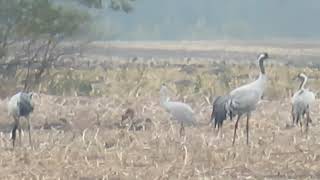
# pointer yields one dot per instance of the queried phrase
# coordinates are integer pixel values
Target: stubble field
(79, 135)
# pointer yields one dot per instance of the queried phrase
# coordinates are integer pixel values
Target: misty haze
(215, 19)
(159, 89)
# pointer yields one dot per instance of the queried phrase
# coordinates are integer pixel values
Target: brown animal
(128, 114)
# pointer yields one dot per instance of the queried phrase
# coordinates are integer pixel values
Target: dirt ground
(82, 138)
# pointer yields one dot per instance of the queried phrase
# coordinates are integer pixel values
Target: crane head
(300, 76)
(263, 56)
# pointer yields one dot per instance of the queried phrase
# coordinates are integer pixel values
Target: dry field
(80, 137)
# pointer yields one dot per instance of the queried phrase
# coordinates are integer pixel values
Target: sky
(212, 19)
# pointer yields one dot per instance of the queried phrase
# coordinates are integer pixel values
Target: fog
(211, 19)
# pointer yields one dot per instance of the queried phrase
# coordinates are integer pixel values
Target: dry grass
(105, 150)
(81, 137)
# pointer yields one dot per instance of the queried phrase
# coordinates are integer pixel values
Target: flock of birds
(239, 102)
(242, 101)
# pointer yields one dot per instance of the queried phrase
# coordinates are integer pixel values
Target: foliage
(44, 18)
(123, 5)
(37, 28)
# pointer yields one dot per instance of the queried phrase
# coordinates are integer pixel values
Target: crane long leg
(247, 127)
(235, 129)
(308, 120)
(19, 129)
(293, 117)
(182, 129)
(212, 117)
(300, 123)
(15, 126)
(298, 119)
(230, 116)
(220, 131)
(29, 129)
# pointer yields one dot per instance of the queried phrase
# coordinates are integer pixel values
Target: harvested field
(79, 136)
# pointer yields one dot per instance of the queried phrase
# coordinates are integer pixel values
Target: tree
(123, 5)
(35, 28)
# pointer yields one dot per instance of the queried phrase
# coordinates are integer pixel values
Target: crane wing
(245, 100)
(303, 96)
(181, 111)
(25, 104)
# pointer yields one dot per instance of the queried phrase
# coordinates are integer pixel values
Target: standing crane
(244, 99)
(20, 105)
(179, 111)
(301, 102)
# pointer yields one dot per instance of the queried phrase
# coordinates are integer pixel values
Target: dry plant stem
(29, 130)
(185, 161)
(84, 135)
(96, 136)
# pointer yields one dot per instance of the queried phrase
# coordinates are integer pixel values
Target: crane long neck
(303, 82)
(163, 99)
(262, 70)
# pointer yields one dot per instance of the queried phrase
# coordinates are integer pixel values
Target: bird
(244, 99)
(179, 111)
(219, 112)
(20, 105)
(301, 102)
(129, 114)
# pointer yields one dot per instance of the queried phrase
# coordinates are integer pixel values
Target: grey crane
(20, 105)
(244, 99)
(219, 112)
(179, 111)
(301, 102)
